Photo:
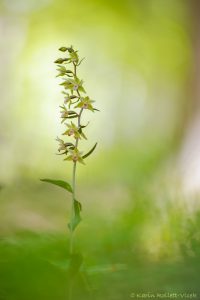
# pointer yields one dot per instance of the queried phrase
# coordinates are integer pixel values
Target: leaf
(73, 97)
(62, 69)
(80, 61)
(71, 264)
(83, 135)
(106, 268)
(90, 152)
(64, 83)
(75, 263)
(62, 153)
(77, 217)
(65, 185)
(83, 126)
(71, 112)
(72, 117)
(63, 264)
(81, 89)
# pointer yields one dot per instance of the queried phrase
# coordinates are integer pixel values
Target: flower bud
(63, 49)
(60, 60)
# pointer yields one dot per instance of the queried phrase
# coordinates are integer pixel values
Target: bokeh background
(140, 189)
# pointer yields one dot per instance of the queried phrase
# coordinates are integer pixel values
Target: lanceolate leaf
(90, 152)
(75, 263)
(72, 117)
(65, 185)
(80, 61)
(77, 217)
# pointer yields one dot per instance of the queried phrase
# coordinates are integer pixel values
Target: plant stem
(71, 241)
(74, 178)
(74, 188)
(74, 193)
(72, 208)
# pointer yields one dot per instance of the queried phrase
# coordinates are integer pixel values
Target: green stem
(71, 242)
(74, 188)
(73, 196)
(72, 208)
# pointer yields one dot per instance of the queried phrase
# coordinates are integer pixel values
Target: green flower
(68, 99)
(70, 49)
(63, 71)
(64, 112)
(86, 103)
(62, 145)
(75, 156)
(72, 131)
(74, 56)
(73, 84)
(67, 114)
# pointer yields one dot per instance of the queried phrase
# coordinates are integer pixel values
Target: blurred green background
(140, 228)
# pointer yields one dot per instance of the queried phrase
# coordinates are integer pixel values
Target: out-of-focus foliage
(137, 235)
(137, 57)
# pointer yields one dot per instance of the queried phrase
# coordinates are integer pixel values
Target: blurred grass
(144, 248)
(33, 266)
(130, 240)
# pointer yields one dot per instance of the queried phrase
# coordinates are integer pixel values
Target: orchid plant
(76, 101)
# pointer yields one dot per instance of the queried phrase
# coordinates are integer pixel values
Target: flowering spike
(75, 99)
(75, 103)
